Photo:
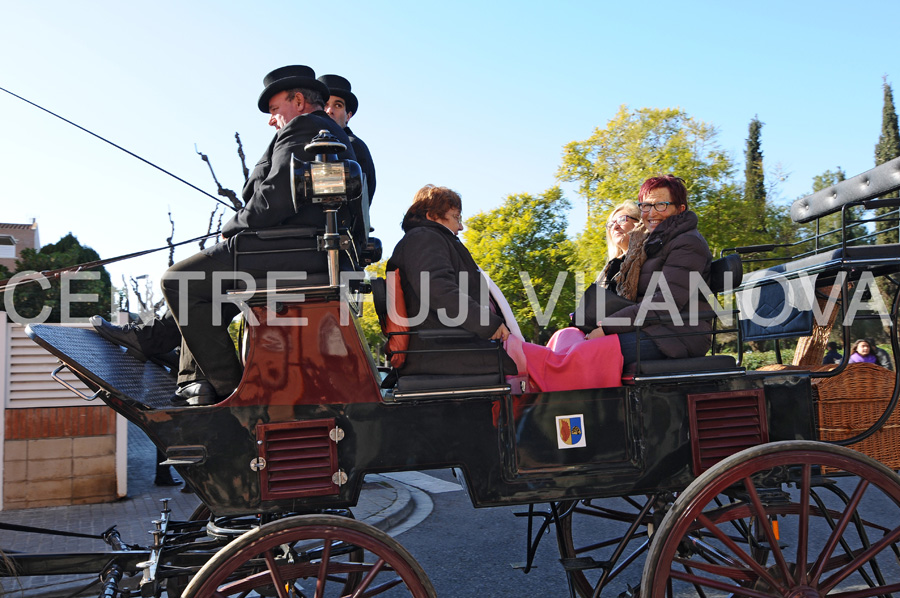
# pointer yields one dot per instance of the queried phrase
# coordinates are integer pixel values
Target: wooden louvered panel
(725, 423)
(300, 459)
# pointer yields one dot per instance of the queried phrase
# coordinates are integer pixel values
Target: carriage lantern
(326, 179)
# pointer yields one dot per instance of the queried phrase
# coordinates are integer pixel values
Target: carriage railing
(850, 247)
(839, 237)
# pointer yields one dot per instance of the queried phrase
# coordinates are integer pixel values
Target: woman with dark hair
(862, 352)
(444, 289)
(661, 268)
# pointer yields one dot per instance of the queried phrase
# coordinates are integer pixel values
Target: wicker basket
(851, 402)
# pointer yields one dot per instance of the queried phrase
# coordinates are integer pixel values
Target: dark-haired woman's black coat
(439, 275)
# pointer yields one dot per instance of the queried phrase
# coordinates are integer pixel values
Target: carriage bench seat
(688, 368)
(424, 386)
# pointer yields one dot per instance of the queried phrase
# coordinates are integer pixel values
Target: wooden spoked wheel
(311, 556)
(792, 519)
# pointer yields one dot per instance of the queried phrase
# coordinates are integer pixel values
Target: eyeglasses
(457, 217)
(661, 206)
(620, 220)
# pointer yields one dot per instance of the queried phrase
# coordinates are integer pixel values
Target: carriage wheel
(311, 555)
(768, 522)
(606, 530)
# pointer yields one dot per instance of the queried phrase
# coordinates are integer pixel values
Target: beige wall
(26, 236)
(55, 448)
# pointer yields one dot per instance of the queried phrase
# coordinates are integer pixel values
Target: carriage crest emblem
(570, 431)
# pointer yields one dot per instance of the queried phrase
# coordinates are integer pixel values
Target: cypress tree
(755, 184)
(887, 148)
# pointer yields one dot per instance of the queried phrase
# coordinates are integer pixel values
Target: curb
(399, 510)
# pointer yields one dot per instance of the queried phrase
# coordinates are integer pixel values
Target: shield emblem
(570, 431)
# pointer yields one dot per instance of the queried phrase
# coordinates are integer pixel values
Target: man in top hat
(210, 370)
(341, 106)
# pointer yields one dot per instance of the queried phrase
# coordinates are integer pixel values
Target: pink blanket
(569, 362)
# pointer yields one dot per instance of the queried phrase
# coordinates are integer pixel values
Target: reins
(13, 282)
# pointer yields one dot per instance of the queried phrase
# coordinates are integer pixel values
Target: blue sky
(477, 96)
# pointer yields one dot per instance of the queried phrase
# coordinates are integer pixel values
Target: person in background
(832, 355)
(862, 352)
(882, 357)
(341, 106)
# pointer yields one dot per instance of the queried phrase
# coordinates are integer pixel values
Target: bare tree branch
(222, 190)
(169, 240)
(237, 137)
(209, 226)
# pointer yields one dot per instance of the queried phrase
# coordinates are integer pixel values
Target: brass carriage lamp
(326, 179)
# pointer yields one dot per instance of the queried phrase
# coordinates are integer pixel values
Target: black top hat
(340, 87)
(290, 77)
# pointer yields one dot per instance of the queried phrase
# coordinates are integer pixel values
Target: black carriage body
(309, 421)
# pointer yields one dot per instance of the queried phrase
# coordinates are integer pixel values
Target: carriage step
(584, 563)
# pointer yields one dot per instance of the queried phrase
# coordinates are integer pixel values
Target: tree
(611, 164)
(887, 148)
(368, 320)
(754, 178)
(833, 221)
(29, 299)
(523, 244)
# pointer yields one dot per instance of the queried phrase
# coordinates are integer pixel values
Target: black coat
(269, 203)
(676, 249)
(364, 158)
(431, 249)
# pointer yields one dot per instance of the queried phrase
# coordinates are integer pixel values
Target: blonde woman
(622, 222)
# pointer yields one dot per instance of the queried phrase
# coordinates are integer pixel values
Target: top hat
(290, 77)
(340, 87)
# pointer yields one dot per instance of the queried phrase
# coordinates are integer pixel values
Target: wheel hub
(803, 592)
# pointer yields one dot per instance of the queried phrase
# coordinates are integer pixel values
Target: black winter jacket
(675, 249)
(430, 249)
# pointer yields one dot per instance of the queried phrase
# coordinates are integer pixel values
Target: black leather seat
(422, 386)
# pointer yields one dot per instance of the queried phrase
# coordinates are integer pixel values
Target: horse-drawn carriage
(726, 481)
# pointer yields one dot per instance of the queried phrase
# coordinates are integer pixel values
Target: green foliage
(887, 148)
(754, 178)
(753, 360)
(527, 234)
(368, 321)
(611, 164)
(30, 299)
(832, 222)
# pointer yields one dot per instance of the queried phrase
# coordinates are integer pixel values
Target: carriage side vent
(725, 423)
(298, 459)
